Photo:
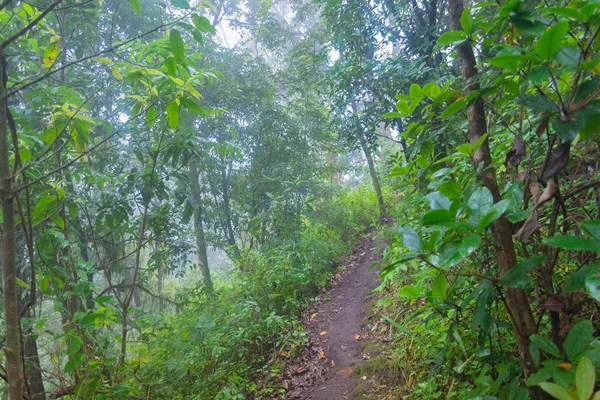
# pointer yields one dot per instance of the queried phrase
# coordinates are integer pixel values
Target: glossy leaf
(550, 41)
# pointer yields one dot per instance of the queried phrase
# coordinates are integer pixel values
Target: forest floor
(339, 326)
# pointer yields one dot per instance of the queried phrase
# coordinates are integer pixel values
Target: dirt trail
(337, 326)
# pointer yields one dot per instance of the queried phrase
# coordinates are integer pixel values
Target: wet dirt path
(338, 329)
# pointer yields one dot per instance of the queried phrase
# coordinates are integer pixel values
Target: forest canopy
(179, 180)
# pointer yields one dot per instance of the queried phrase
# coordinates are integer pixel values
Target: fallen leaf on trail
(345, 371)
(321, 354)
(364, 377)
(300, 370)
(323, 333)
(314, 315)
(284, 353)
(367, 356)
(344, 347)
(356, 336)
(332, 363)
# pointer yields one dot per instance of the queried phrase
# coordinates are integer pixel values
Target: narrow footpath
(338, 326)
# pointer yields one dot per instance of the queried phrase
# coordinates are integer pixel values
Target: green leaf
(578, 338)
(438, 201)
(556, 391)
(545, 345)
(173, 114)
(496, 211)
(592, 284)
(550, 41)
(439, 287)
(517, 276)
(536, 102)
(75, 344)
(563, 12)
(51, 54)
(479, 204)
(585, 378)
(415, 91)
(533, 28)
(409, 291)
(411, 239)
(203, 24)
(435, 216)
(466, 20)
(150, 116)
(451, 189)
(393, 114)
(573, 243)
(592, 228)
(454, 107)
(451, 37)
(177, 46)
(181, 4)
(511, 62)
(193, 106)
(568, 129)
(136, 5)
(577, 279)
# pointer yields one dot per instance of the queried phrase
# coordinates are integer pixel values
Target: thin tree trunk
(12, 344)
(199, 228)
(228, 222)
(34, 372)
(374, 177)
(516, 299)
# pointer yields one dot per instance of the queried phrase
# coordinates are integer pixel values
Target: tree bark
(199, 228)
(516, 299)
(374, 177)
(12, 345)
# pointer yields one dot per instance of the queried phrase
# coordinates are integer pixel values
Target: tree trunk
(198, 227)
(516, 299)
(374, 177)
(229, 232)
(12, 344)
(34, 372)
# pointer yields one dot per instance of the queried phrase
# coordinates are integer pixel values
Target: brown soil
(337, 324)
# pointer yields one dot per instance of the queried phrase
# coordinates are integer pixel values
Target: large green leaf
(479, 204)
(585, 378)
(551, 40)
(546, 345)
(454, 107)
(411, 239)
(438, 201)
(177, 46)
(173, 114)
(573, 243)
(203, 24)
(592, 228)
(592, 283)
(577, 279)
(578, 338)
(517, 276)
(439, 287)
(136, 5)
(451, 37)
(558, 392)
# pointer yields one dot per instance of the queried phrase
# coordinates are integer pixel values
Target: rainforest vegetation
(179, 180)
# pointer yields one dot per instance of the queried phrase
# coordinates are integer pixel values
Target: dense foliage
(179, 179)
